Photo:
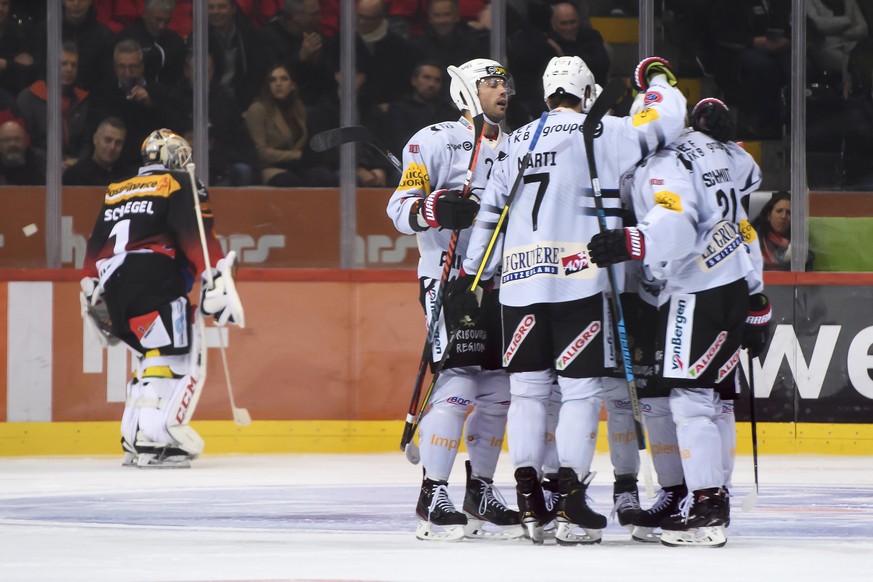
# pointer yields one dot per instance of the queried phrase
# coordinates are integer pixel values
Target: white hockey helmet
(572, 76)
(167, 148)
(464, 88)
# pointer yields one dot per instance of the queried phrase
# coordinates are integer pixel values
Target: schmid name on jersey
(546, 259)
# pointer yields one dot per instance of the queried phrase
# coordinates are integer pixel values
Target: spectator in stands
(103, 165)
(17, 68)
(18, 165)
(836, 26)
(386, 57)
(240, 55)
(447, 40)
(529, 51)
(259, 12)
(277, 123)
(94, 40)
(233, 160)
(74, 110)
(163, 50)
(773, 226)
(425, 105)
(117, 14)
(752, 59)
(142, 106)
(293, 37)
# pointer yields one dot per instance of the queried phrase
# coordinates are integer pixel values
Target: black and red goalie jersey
(152, 212)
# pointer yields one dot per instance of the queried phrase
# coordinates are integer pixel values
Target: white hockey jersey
(437, 157)
(544, 251)
(689, 198)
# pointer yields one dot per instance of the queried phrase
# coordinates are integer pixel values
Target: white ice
(351, 517)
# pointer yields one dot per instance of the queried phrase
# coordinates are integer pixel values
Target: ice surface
(351, 518)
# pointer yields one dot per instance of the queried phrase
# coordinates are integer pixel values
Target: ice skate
(130, 455)
(531, 504)
(647, 520)
(625, 499)
(574, 514)
(438, 518)
(699, 522)
(163, 458)
(483, 504)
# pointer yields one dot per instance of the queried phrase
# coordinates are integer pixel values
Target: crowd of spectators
(129, 62)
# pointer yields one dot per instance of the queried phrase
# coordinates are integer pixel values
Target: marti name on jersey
(538, 160)
(131, 207)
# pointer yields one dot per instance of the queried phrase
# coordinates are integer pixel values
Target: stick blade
(332, 138)
(242, 417)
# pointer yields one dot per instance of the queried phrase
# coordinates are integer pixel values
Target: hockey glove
(221, 299)
(711, 116)
(757, 329)
(616, 246)
(463, 306)
(648, 69)
(447, 209)
(95, 312)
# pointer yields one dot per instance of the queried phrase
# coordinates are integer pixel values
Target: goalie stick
(332, 138)
(614, 90)
(413, 415)
(241, 416)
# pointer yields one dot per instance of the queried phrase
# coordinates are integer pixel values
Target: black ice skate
(551, 493)
(665, 505)
(700, 521)
(574, 512)
(531, 504)
(438, 518)
(483, 504)
(625, 499)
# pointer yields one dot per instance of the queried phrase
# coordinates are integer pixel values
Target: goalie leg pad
(166, 405)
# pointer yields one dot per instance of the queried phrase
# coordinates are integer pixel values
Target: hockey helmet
(167, 148)
(570, 75)
(464, 88)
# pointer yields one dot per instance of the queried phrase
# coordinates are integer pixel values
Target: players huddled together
(567, 251)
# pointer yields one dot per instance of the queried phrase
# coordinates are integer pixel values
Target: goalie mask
(166, 148)
(571, 76)
(464, 88)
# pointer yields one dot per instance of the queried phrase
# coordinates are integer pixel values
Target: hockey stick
(411, 453)
(750, 500)
(241, 416)
(327, 140)
(512, 192)
(413, 415)
(614, 90)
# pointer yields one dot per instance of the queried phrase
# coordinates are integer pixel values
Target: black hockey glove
(463, 306)
(757, 329)
(711, 116)
(616, 246)
(649, 68)
(447, 209)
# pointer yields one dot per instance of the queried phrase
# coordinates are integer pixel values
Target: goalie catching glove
(447, 209)
(757, 329)
(220, 299)
(648, 69)
(95, 313)
(616, 246)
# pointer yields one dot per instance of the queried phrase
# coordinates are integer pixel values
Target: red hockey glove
(757, 329)
(649, 68)
(616, 246)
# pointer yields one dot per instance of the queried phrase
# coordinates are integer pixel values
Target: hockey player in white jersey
(695, 237)
(553, 306)
(427, 203)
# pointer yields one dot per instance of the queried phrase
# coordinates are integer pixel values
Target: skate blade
(533, 531)
(645, 535)
(149, 461)
(447, 533)
(568, 535)
(480, 529)
(704, 537)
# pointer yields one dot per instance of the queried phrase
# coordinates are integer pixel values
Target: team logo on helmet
(492, 71)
